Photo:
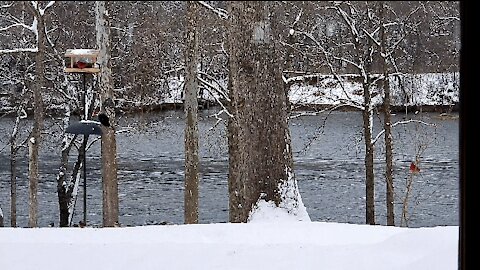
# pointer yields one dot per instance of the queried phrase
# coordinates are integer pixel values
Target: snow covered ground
(264, 243)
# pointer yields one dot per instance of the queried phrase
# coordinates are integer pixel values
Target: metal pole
(85, 113)
(85, 138)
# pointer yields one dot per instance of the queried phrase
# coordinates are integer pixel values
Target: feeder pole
(85, 138)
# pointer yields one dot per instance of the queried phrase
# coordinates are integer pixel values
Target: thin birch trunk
(387, 125)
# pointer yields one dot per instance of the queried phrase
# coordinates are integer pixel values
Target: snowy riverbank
(431, 90)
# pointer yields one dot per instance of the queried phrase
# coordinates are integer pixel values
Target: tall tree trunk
(109, 145)
(363, 56)
(262, 156)
(366, 60)
(13, 169)
(13, 186)
(191, 110)
(33, 181)
(387, 125)
(35, 139)
(369, 174)
(235, 186)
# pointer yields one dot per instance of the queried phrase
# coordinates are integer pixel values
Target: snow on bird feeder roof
(82, 60)
(81, 52)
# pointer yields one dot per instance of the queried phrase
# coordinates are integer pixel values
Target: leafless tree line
(256, 47)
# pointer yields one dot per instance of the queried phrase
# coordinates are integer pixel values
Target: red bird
(81, 64)
(414, 168)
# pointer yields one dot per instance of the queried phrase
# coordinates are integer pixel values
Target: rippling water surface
(328, 161)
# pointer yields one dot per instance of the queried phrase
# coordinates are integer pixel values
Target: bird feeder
(82, 61)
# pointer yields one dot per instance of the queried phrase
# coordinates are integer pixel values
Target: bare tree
(37, 30)
(109, 145)
(420, 148)
(390, 199)
(191, 111)
(366, 49)
(14, 147)
(260, 155)
(388, 43)
(38, 26)
(35, 139)
(359, 24)
(13, 173)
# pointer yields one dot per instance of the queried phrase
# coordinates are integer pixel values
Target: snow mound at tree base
(268, 212)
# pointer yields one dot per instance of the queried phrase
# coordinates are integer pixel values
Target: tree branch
(218, 11)
(401, 123)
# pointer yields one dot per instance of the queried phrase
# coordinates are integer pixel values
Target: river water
(328, 164)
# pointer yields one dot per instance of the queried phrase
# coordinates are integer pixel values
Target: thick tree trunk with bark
(109, 145)
(235, 186)
(33, 181)
(35, 139)
(191, 111)
(260, 153)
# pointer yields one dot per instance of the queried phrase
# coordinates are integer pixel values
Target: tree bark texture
(13, 186)
(33, 181)
(13, 170)
(235, 186)
(369, 148)
(35, 138)
(364, 57)
(387, 125)
(109, 146)
(191, 111)
(259, 141)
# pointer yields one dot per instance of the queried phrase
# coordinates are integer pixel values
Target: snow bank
(407, 89)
